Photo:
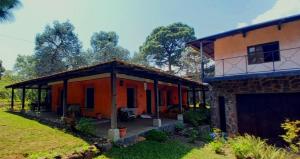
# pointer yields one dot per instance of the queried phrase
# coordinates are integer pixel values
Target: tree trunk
(169, 62)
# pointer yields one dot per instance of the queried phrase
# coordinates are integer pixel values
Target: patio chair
(126, 114)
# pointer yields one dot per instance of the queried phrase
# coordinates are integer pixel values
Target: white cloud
(281, 8)
(241, 24)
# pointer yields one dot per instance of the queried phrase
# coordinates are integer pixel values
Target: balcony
(285, 60)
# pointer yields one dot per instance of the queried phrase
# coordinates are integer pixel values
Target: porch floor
(134, 127)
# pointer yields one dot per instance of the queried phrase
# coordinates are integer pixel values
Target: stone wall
(228, 89)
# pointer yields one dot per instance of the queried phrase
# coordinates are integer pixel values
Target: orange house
(101, 90)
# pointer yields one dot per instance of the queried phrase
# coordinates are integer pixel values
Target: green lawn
(169, 150)
(20, 137)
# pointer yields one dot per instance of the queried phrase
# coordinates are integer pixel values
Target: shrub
(86, 126)
(248, 146)
(196, 117)
(292, 134)
(193, 135)
(179, 127)
(206, 137)
(217, 147)
(156, 135)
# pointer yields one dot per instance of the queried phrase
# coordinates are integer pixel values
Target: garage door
(262, 114)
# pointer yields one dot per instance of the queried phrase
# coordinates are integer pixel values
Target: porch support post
(188, 98)
(113, 132)
(203, 98)
(180, 116)
(156, 120)
(12, 99)
(39, 97)
(194, 97)
(23, 98)
(65, 97)
(202, 61)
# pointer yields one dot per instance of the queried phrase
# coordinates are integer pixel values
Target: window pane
(90, 97)
(263, 53)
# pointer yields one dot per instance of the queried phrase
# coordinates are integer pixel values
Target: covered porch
(115, 70)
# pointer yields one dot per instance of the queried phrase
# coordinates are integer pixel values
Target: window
(89, 98)
(263, 53)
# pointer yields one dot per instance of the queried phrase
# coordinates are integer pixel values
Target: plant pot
(122, 131)
(99, 116)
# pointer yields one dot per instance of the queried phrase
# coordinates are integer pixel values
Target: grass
(20, 138)
(171, 149)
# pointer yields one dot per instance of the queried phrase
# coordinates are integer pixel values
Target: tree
(190, 64)
(105, 47)
(2, 69)
(165, 44)
(6, 8)
(139, 58)
(58, 49)
(25, 67)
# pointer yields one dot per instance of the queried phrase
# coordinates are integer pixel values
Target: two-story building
(256, 82)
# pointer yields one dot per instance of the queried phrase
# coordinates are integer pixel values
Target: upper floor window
(89, 98)
(262, 53)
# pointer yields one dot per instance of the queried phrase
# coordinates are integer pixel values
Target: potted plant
(122, 131)
(99, 116)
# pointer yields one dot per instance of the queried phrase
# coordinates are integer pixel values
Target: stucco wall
(76, 95)
(236, 46)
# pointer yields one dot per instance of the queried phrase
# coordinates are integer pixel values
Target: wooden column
(203, 98)
(156, 98)
(65, 97)
(114, 118)
(23, 98)
(194, 97)
(12, 99)
(180, 97)
(188, 98)
(39, 97)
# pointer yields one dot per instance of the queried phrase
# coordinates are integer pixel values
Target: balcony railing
(259, 62)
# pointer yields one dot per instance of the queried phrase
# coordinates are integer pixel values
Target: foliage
(190, 64)
(217, 147)
(6, 8)
(2, 69)
(105, 47)
(218, 143)
(248, 146)
(25, 67)
(139, 58)
(179, 127)
(206, 137)
(292, 134)
(156, 135)
(193, 135)
(86, 126)
(57, 49)
(7, 79)
(165, 44)
(196, 117)
(28, 138)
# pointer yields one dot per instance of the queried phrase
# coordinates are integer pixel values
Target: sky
(132, 20)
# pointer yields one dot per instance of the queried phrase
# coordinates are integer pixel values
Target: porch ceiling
(118, 66)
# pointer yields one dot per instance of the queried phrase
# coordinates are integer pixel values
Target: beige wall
(236, 46)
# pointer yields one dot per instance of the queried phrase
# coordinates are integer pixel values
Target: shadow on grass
(90, 139)
(150, 150)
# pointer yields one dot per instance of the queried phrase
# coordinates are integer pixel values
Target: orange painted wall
(236, 45)
(76, 95)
